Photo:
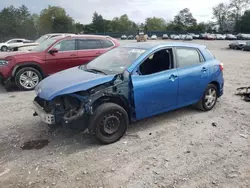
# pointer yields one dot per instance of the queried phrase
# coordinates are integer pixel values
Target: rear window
(107, 43)
(210, 53)
(187, 57)
(88, 44)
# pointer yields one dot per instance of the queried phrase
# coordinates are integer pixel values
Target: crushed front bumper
(45, 117)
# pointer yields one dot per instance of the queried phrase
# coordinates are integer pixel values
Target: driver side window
(159, 61)
(66, 45)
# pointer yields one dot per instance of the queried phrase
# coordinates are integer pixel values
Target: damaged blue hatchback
(129, 83)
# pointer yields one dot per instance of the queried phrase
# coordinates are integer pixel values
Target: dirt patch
(35, 144)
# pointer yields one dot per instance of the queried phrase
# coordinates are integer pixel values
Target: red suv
(27, 69)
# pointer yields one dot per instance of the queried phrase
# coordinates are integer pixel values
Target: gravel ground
(182, 148)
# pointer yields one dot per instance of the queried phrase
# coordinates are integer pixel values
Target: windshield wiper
(95, 71)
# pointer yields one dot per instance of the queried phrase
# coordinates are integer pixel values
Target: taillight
(221, 67)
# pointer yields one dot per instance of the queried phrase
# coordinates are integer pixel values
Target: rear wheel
(108, 123)
(209, 98)
(27, 78)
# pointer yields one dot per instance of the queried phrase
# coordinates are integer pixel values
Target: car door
(157, 92)
(65, 58)
(193, 74)
(88, 49)
(15, 42)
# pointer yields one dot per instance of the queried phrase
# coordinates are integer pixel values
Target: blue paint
(70, 81)
(155, 93)
(149, 94)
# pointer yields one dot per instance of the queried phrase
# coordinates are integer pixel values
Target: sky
(137, 10)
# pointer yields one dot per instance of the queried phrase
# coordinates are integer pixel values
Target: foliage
(185, 19)
(155, 24)
(229, 16)
(19, 22)
(55, 19)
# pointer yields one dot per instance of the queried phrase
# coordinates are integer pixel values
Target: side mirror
(53, 50)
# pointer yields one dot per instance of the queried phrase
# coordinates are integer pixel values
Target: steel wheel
(111, 123)
(210, 98)
(108, 123)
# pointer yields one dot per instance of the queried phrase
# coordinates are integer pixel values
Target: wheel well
(217, 85)
(28, 65)
(113, 99)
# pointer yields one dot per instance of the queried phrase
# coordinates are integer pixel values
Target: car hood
(3, 55)
(69, 81)
(23, 54)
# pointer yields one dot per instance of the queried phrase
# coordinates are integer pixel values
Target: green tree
(238, 7)
(221, 13)
(123, 24)
(98, 23)
(155, 24)
(244, 23)
(55, 19)
(185, 18)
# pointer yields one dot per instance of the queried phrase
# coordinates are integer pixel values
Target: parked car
(220, 37)
(194, 36)
(128, 84)
(27, 69)
(23, 47)
(237, 45)
(153, 37)
(6, 45)
(242, 36)
(123, 37)
(164, 36)
(51, 35)
(246, 47)
(131, 37)
(231, 37)
(188, 37)
(210, 37)
(175, 37)
(30, 45)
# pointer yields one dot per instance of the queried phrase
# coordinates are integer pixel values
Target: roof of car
(150, 45)
(87, 36)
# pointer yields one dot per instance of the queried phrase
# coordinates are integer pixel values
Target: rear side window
(187, 57)
(88, 44)
(107, 43)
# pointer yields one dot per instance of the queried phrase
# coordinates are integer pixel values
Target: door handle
(73, 55)
(204, 69)
(98, 53)
(173, 77)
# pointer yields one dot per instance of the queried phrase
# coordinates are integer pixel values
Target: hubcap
(210, 97)
(4, 48)
(29, 79)
(110, 124)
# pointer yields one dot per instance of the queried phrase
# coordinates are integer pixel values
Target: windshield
(114, 61)
(44, 45)
(42, 39)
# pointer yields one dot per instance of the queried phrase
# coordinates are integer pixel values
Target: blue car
(130, 83)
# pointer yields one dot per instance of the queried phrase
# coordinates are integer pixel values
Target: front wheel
(27, 78)
(209, 98)
(108, 123)
(4, 48)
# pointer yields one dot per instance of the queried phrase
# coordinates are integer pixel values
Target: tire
(102, 119)
(33, 78)
(4, 48)
(203, 104)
